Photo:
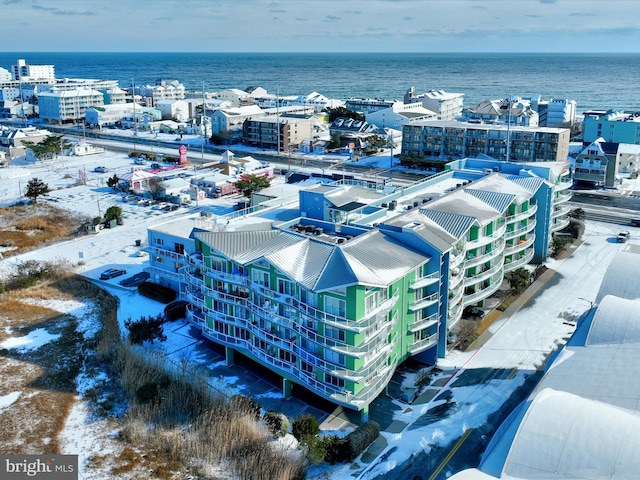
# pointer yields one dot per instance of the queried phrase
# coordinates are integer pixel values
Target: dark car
(472, 312)
(112, 273)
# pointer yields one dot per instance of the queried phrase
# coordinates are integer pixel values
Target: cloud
(57, 11)
(331, 18)
(408, 19)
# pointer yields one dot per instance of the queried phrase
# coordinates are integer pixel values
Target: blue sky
(320, 25)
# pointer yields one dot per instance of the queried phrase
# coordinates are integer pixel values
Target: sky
(587, 26)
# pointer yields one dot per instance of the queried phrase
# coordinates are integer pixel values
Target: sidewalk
(517, 304)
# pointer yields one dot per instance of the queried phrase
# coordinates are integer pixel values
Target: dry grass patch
(30, 226)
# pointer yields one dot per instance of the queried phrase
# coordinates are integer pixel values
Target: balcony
(565, 184)
(559, 224)
(484, 275)
(559, 211)
(423, 344)
(493, 286)
(425, 280)
(525, 259)
(522, 230)
(496, 252)
(424, 302)
(521, 245)
(423, 323)
(485, 240)
(562, 197)
(522, 215)
(454, 314)
(455, 295)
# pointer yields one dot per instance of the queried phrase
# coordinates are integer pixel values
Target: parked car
(101, 169)
(112, 273)
(155, 166)
(140, 161)
(624, 236)
(635, 221)
(472, 312)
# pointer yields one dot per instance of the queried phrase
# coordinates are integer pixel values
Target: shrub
(335, 449)
(576, 227)
(175, 310)
(277, 423)
(358, 440)
(559, 244)
(314, 449)
(244, 405)
(518, 279)
(157, 292)
(146, 329)
(305, 425)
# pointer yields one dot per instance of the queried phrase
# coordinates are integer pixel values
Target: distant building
(508, 111)
(452, 140)
(177, 110)
(597, 164)
(67, 106)
(236, 97)
(399, 115)
(272, 132)
(555, 112)
(231, 119)
(23, 71)
(612, 126)
(114, 96)
(448, 106)
(366, 106)
(162, 90)
(11, 139)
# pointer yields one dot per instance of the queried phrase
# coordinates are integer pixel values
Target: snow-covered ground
(520, 342)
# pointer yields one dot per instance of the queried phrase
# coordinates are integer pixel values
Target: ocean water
(594, 81)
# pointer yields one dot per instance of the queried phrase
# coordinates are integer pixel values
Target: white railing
(519, 262)
(425, 280)
(519, 246)
(423, 344)
(522, 215)
(520, 231)
(480, 242)
(481, 276)
(423, 323)
(485, 292)
(485, 257)
(424, 302)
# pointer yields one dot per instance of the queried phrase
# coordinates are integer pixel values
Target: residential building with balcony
(452, 140)
(24, 71)
(354, 277)
(280, 132)
(597, 164)
(67, 106)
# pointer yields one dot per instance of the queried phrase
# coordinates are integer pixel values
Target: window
(335, 306)
(159, 260)
(330, 379)
(334, 357)
(308, 297)
(333, 332)
(178, 248)
(286, 287)
(221, 327)
(306, 367)
(287, 356)
(158, 241)
(260, 277)
(218, 265)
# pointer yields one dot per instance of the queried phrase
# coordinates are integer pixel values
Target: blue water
(594, 81)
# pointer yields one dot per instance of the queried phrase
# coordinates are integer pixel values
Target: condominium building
(452, 140)
(68, 106)
(280, 132)
(23, 71)
(612, 126)
(358, 278)
(508, 111)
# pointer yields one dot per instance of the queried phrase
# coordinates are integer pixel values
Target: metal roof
(454, 224)
(499, 201)
(531, 184)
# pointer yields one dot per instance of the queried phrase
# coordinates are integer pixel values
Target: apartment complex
(447, 106)
(452, 140)
(358, 278)
(278, 133)
(612, 126)
(68, 106)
